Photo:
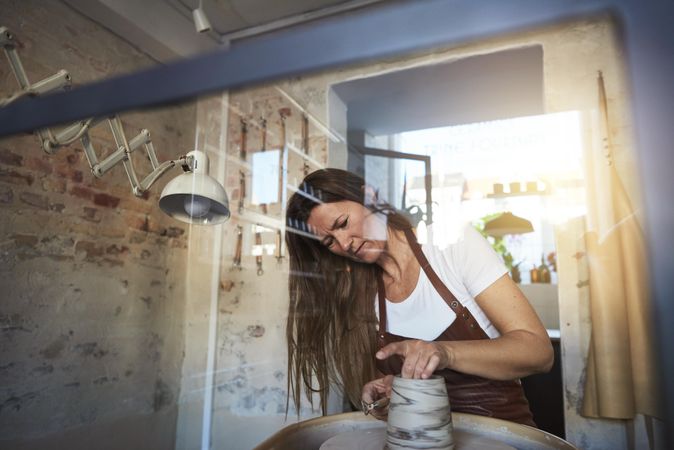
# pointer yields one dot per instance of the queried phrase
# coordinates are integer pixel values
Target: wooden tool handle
(258, 258)
(239, 246)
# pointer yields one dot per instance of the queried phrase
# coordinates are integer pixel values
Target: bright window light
(536, 160)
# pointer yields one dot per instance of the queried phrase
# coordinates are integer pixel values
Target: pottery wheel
(375, 439)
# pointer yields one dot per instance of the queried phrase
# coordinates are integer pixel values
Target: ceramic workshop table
(310, 434)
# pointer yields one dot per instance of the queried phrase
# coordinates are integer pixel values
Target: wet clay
(419, 415)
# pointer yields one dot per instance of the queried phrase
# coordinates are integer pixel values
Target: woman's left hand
(421, 358)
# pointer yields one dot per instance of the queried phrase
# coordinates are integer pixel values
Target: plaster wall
(92, 278)
(251, 368)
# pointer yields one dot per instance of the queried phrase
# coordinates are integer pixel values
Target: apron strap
(469, 328)
(433, 277)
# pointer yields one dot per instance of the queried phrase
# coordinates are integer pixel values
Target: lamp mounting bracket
(51, 140)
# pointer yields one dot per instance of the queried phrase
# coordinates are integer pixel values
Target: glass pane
(141, 329)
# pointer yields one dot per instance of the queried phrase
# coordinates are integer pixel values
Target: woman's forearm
(515, 354)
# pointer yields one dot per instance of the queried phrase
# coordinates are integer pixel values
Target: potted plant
(498, 244)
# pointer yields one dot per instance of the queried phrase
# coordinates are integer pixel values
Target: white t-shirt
(467, 267)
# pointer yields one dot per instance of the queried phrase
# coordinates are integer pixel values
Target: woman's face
(349, 229)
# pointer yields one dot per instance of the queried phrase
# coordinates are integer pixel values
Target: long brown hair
(331, 319)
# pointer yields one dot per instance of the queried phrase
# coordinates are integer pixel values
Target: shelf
(518, 194)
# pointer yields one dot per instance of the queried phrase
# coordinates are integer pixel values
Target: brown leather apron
(467, 393)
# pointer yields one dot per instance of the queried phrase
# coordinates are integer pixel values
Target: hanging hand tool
(242, 190)
(279, 246)
(284, 113)
(244, 135)
(239, 247)
(258, 258)
(263, 123)
(243, 155)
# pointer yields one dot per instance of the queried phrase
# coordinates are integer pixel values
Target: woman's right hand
(378, 390)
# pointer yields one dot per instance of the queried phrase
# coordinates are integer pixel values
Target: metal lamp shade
(508, 223)
(195, 198)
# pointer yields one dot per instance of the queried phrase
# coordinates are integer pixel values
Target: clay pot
(419, 415)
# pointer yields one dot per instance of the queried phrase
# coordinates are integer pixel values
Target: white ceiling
(164, 29)
(483, 88)
(236, 15)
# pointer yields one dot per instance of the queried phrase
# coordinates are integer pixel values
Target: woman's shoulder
(466, 256)
(452, 238)
(443, 245)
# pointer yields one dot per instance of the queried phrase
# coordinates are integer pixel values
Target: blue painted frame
(403, 27)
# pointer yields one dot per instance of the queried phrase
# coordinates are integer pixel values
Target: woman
(367, 302)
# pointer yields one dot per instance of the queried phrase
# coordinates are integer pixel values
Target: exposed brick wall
(91, 277)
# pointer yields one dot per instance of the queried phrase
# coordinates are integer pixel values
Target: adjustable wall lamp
(192, 197)
(195, 197)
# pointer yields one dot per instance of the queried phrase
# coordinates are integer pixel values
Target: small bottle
(543, 271)
(533, 273)
(515, 273)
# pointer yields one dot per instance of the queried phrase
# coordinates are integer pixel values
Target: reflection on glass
(469, 161)
(114, 314)
(266, 173)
